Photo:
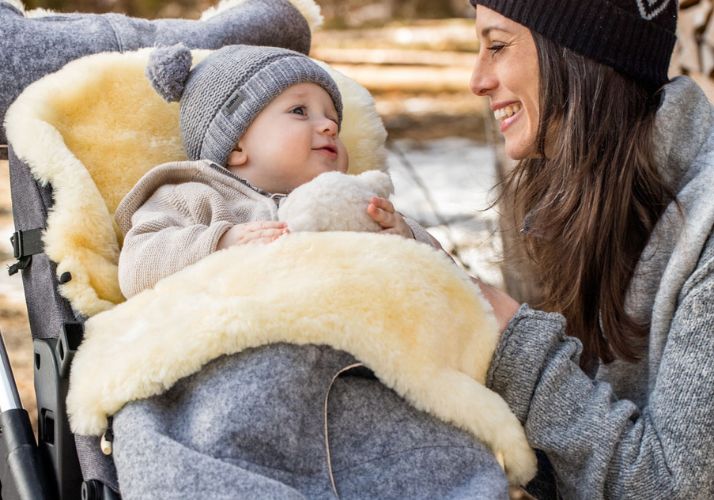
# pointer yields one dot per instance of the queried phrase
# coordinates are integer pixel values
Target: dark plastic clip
(67, 343)
(25, 244)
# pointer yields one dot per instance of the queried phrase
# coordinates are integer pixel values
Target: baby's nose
(328, 127)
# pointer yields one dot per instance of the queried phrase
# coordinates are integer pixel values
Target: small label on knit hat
(235, 100)
(649, 9)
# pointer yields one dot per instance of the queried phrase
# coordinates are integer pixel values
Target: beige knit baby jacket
(178, 211)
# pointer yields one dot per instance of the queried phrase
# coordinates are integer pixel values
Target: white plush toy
(335, 202)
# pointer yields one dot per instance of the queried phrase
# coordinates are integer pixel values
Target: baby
(256, 123)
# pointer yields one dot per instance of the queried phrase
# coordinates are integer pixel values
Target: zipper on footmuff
(356, 369)
(106, 443)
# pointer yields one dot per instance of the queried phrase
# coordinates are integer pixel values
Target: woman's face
(507, 72)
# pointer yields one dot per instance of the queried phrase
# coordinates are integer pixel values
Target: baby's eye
(299, 110)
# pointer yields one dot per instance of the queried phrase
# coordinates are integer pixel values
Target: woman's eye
(299, 110)
(495, 48)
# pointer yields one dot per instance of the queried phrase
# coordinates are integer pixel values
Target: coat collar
(684, 127)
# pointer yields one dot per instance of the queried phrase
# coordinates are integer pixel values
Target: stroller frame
(46, 468)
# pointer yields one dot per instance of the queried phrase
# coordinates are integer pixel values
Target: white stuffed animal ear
(379, 182)
(335, 202)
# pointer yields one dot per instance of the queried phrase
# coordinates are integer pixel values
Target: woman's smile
(507, 114)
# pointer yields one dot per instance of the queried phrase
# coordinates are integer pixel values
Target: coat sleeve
(604, 447)
(177, 226)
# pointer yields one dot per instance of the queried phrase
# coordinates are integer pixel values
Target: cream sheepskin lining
(399, 306)
(94, 128)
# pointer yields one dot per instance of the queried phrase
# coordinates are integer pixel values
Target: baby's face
(293, 140)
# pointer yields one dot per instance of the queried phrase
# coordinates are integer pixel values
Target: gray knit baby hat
(222, 95)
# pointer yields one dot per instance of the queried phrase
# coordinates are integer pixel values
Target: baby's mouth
(328, 149)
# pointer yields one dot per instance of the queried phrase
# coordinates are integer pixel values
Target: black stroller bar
(9, 396)
(22, 476)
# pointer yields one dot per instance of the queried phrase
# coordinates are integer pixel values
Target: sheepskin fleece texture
(399, 306)
(334, 201)
(40, 42)
(84, 130)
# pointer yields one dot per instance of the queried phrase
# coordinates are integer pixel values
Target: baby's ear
(237, 158)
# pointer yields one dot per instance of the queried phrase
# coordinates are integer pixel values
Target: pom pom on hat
(168, 70)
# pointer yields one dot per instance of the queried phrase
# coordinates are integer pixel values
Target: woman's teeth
(507, 112)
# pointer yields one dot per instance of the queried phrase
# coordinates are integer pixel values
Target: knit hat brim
(235, 116)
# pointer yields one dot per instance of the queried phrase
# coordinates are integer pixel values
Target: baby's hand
(252, 232)
(383, 213)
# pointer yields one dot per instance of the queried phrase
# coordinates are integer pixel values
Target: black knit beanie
(636, 37)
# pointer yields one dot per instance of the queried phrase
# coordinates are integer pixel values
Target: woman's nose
(481, 80)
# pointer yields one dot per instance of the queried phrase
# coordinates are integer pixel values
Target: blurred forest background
(694, 55)
(338, 13)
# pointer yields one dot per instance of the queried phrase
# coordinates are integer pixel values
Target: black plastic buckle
(25, 244)
(68, 342)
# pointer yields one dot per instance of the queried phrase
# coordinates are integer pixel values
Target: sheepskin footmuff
(400, 307)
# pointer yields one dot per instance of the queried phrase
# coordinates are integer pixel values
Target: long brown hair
(589, 201)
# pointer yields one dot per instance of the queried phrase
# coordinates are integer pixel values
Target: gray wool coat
(32, 47)
(639, 430)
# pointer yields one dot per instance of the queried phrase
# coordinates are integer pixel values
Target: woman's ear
(237, 158)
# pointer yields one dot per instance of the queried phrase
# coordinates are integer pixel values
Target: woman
(613, 194)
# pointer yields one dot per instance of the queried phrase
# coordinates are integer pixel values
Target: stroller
(50, 466)
(76, 248)
(99, 128)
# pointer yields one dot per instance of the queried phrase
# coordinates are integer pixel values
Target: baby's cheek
(342, 164)
(343, 157)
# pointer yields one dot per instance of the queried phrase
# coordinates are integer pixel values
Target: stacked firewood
(694, 54)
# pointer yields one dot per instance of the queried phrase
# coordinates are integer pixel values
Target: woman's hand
(383, 213)
(252, 232)
(504, 307)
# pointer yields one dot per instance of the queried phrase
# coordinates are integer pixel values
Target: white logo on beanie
(649, 9)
